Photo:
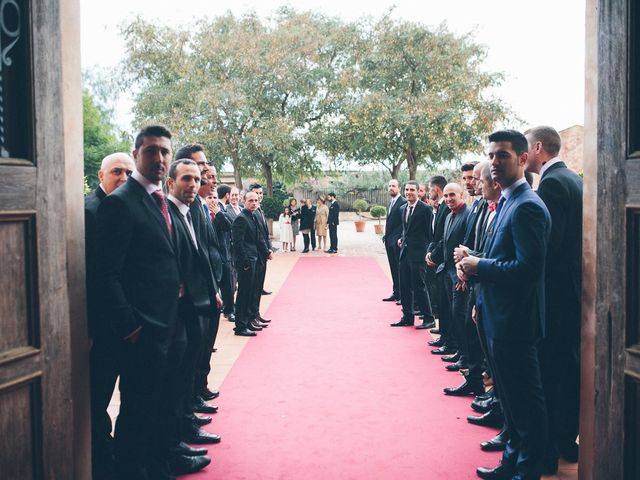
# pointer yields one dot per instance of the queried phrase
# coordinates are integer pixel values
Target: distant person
(103, 358)
(392, 233)
(322, 216)
(333, 222)
(286, 232)
(233, 208)
(307, 218)
(295, 221)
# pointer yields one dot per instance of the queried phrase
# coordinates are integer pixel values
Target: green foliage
(100, 138)
(272, 207)
(378, 211)
(286, 201)
(360, 205)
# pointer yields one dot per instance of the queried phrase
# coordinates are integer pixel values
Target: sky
(539, 46)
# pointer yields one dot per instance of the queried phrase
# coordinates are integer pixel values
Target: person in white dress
(286, 231)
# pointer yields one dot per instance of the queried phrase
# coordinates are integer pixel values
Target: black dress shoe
(498, 473)
(398, 302)
(451, 358)
(254, 327)
(436, 343)
(402, 323)
(201, 437)
(482, 406)
(493, 418)
(306, 250)
(497, 443)
(465, 388)
(208, 394)
(454, 367)
(443, 350)
(391, 298)
(435, 331)
(245, 333)
(182, 465)
(200, 406)
(426, 325)
(183, 449)
(263, 320)
(200, 420)
(485, 396)
(264, 292)
(231, 317)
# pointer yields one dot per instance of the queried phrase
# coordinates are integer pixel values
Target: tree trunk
(235, 161)
(412, 163)
(268, 176)
(395, 170)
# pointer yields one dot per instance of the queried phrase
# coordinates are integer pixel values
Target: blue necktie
(205, 209)
(498, 208)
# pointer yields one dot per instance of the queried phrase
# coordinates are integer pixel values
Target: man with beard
(392, 233)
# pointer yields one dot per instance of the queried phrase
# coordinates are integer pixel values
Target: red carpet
(331, 391)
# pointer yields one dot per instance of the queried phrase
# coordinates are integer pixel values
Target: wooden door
(42, 333)
(610, 393)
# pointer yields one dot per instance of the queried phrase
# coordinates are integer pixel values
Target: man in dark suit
(224, 237)
(233, 208)
(139, 281)
(392, 233)
(265, 253)
(195, 302)
(417, 219)
(333, 221)
(510, 299)
(246, 242)
(435, 282)
(114, 171)
(442, 256)
(561, 191)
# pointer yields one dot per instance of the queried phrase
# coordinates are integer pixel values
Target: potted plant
(360, 205)
(378, 211)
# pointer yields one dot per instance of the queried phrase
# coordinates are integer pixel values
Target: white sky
(539, 45)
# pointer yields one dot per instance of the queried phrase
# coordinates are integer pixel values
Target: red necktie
(162, 205)
(492, 206)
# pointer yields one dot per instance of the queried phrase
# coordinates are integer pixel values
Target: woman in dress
(322, 216)
(295, 221)
(286, 232)
(307, 217)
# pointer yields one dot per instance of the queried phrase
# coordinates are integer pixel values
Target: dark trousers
(177, 376)
(457, 299)
(393, 253)
(140, 434)
(413, 291)
(444, 309)
(559, 356)
(432, 288)
(261, 273)
(193, 371)
(473, 355)
(516, 373)
(211, 324)
(103, 363)
(245, 296)
(306, 237)
(226, 288)
(333, 237)
(313, 239)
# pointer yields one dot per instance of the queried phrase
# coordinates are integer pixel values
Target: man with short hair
(392, 233)
(333, 222)
(510, 299)
(434, 281)
(561, 191)
(224, 237)
(416, 234)
(138, 275)
(114, 171)
(265, 253)
(233, 207)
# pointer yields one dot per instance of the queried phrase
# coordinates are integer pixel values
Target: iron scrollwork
(10, 33)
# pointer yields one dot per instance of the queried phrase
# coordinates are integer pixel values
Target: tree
(100, 138)
(422, 98)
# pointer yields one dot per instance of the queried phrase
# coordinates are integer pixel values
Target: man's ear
(523, 158)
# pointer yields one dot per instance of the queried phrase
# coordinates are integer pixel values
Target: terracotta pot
(360, 225)
(379, 228)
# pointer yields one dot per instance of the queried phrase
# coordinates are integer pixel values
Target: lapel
(150, 204)
(504, 212)
(413, 213)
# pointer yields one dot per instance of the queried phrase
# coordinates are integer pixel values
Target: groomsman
(114, 171)
(416, 234)
(561, 191)
(265, 253)
(333, 221)
(224, 238)
(138, 276)
(510, 299)
(392, 233)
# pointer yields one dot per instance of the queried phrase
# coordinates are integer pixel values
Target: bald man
(114, 171)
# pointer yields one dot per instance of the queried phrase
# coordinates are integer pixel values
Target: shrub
(271, 207)
(360, 205)
(378, 211)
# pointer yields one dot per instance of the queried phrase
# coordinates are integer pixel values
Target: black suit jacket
(209, 236)
(223, 230)
(91, 204)
(137, 268)
(334, 214)
(438, 227)
(195, 268)
(307, 217)
(265, 242)
(393, 225)
(454, 230)
(417, 232)
(246, 239)
(561, 191)
(476, 214)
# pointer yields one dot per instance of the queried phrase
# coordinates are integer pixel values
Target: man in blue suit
(510, 299)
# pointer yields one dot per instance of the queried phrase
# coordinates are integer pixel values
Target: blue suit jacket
(510, 293)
